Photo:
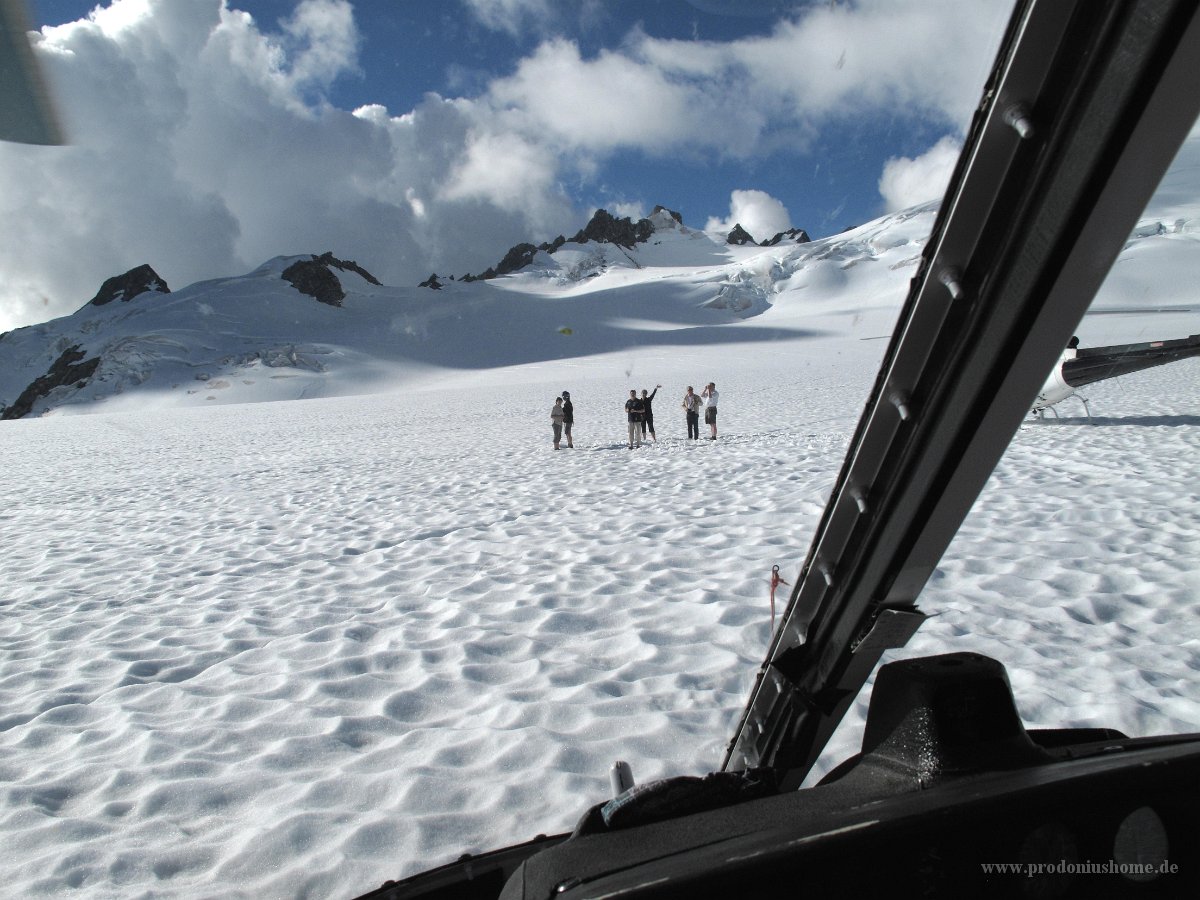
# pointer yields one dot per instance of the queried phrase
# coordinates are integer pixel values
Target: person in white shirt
(710, 408)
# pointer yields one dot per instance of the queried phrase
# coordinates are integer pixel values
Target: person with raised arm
(648, 413)
(709, 394)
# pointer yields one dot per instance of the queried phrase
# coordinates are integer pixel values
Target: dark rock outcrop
(516, 258)
(311, 277)
(125, 287)
(315, 278)
(346, 265)
(67, 369)
(739, 236)
(604, 228)
(489, 272)
(431, 282)
(795, 235)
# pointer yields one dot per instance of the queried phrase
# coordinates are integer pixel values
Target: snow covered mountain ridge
(306, 326)
(315, 325)
(604, 228)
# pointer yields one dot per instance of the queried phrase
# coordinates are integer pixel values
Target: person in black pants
(648, 413)
(634, 410)
(691, 406)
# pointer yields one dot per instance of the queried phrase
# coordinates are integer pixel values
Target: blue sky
(430, 135)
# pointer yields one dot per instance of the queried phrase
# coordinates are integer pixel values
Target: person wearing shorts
(710, 408)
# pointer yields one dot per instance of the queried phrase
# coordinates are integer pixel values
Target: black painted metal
(1098, 363)
(948, 780)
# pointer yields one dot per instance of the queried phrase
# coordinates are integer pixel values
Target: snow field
(297, 649)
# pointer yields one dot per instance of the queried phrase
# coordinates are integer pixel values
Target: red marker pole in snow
(775, 582)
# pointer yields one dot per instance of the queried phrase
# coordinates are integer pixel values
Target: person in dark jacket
(648, 413)
(634, 410)
(568, 418)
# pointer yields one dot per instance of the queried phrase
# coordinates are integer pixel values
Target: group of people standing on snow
(639, 413)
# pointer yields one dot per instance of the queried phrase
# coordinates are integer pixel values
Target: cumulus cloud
(840, 60)
(204, 144)
(906, 182)
(740, 99)
(324, 41)
(757, 212)
(541, 17)
(510, 15)
(602, 103)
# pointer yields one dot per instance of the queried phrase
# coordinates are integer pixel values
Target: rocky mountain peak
(315, 277)
(603, 228)
(739, 236)
(125, 287)
(794, 235)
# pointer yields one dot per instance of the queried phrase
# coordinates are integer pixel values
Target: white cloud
(506, 170)
(324, 41)
(741, 99)
(757, 212)
(846, 59)
(540, 17)
(626, 209)
(510, 15)
(598, 104)
(906, 182)
(203, 143)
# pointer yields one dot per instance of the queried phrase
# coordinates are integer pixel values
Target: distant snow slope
(295, 649)
(255, 337)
